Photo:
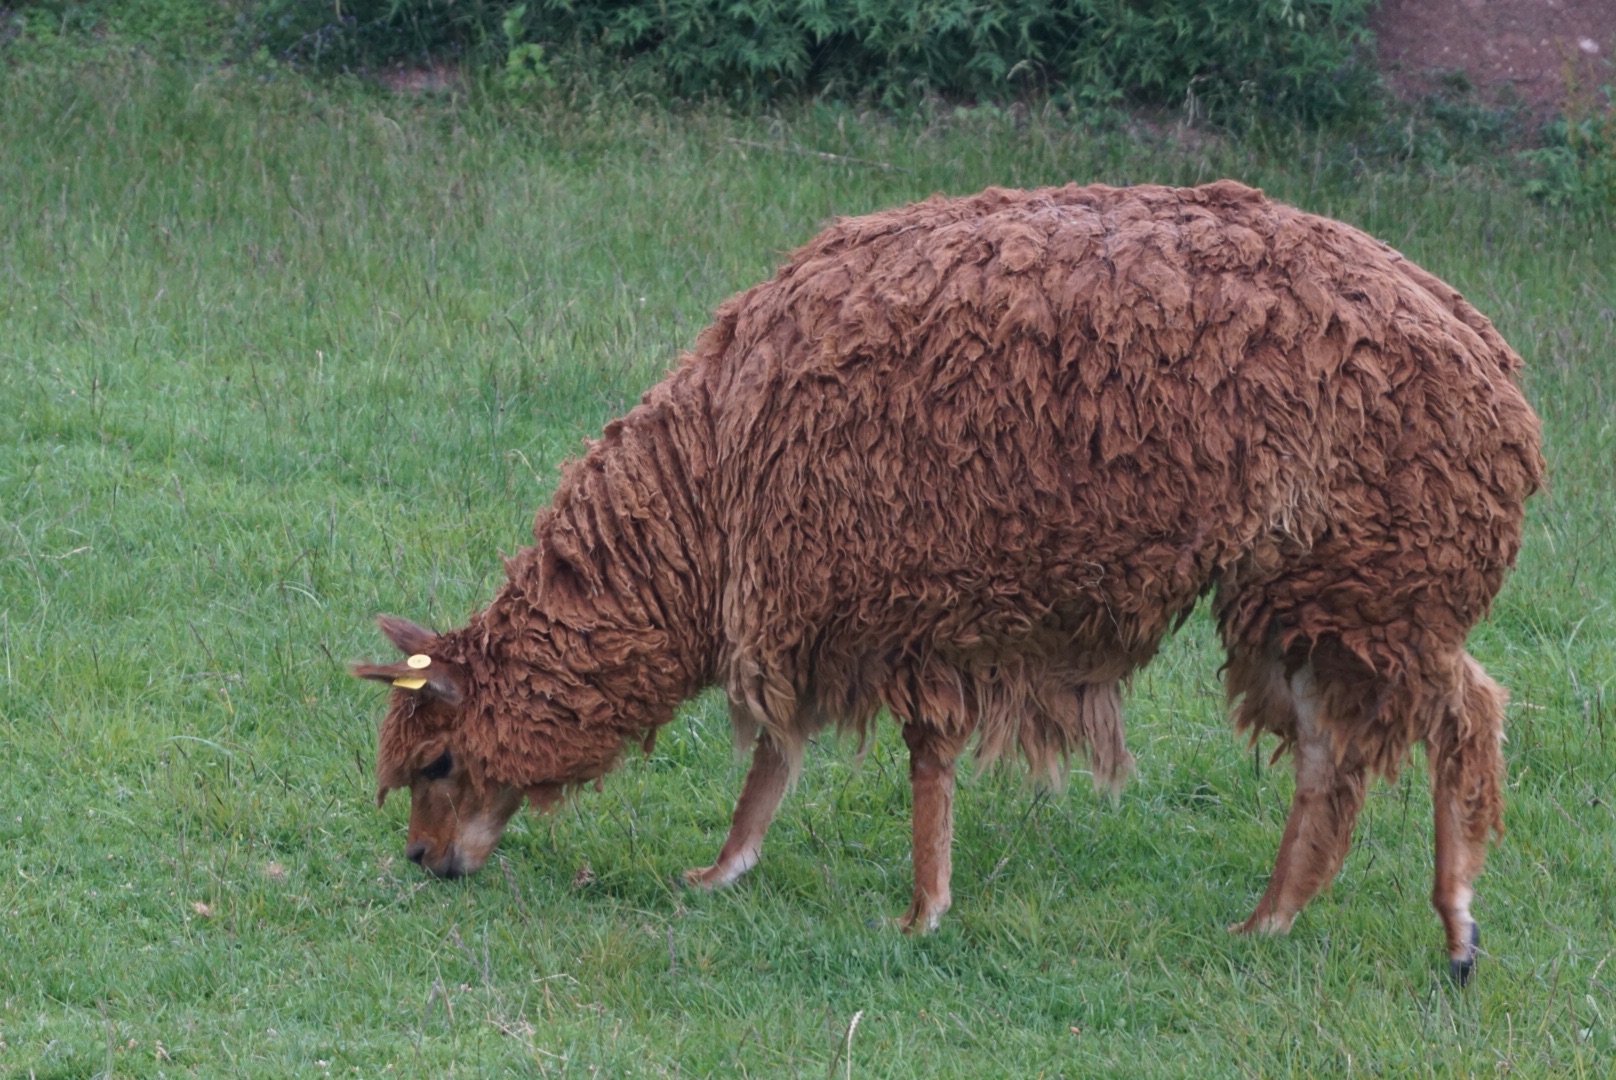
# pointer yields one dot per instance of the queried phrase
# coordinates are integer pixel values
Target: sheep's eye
(438, 769)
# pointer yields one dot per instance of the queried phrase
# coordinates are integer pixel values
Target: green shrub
(1295, 57)
(188, 27)
(1577, 165)
(362, 34)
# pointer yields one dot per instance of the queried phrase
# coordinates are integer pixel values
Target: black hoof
(1461, 970)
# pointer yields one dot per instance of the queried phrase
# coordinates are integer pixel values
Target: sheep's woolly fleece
(972, 459)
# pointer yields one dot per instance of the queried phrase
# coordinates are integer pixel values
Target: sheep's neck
(614, 609)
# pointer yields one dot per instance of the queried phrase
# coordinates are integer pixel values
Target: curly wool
(972, 459)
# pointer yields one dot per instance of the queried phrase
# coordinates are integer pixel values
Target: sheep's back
(1047, 421)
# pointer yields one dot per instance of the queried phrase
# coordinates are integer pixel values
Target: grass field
(275, 358)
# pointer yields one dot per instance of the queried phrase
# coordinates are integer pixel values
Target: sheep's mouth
(448, 868)
(451, 865)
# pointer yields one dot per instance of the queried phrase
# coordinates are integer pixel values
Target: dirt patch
(1550, 55)
(436, 78)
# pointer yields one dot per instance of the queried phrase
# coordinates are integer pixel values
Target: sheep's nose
(416, 852)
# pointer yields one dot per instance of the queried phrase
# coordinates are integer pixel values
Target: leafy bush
(361, 34)
(1577, 166)
(173, 26)
(1291, 56)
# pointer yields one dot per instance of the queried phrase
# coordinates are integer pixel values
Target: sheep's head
(457, 814)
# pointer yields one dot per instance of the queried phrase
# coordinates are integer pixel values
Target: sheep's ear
(409, 638)
(432, 678)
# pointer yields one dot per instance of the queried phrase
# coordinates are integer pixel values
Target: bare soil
(1549, 55)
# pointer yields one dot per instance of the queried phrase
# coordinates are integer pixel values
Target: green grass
(274, 358)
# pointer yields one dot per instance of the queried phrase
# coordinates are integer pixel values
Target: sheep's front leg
(931, 776)
(760, 797)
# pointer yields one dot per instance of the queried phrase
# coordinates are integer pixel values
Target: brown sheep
(971, 460)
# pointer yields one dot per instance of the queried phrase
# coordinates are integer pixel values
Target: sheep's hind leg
(1329, 794)
(931, 776)
(1467, 771)
(761, 793)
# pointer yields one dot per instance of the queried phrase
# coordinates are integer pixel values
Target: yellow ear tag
(419, 660)
(409, 682)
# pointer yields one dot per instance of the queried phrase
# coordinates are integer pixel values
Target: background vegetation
(1295, 56)
(1247, 68)
(277, 354)
(1292, 57)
